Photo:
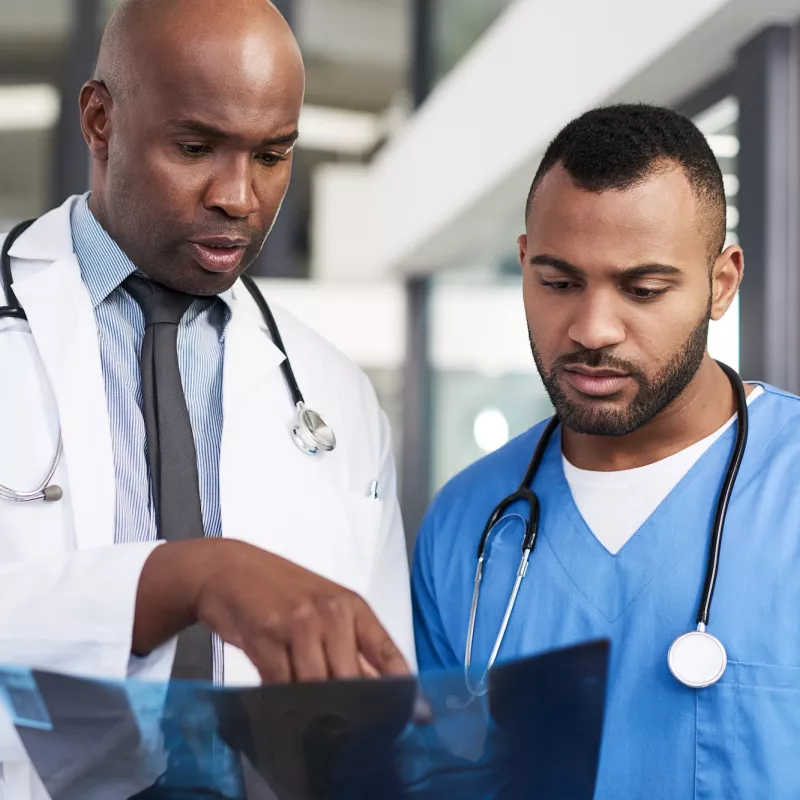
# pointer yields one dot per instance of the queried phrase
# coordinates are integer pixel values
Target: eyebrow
(204, 129)
(639, 271)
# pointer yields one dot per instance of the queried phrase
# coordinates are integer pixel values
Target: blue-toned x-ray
(536, 734)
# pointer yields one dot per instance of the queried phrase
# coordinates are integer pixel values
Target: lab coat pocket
(748, 734)
(328, 529)
(360, 530)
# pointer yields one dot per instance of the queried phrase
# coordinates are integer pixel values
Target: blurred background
(424, 124)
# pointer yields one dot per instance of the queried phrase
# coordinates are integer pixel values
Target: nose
(597, 323)
(232, 190)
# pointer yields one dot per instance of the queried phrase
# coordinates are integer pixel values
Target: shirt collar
(104, 265)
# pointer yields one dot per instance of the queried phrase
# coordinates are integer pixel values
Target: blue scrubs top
(737, 739)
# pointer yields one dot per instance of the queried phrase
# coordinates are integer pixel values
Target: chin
(196, 280)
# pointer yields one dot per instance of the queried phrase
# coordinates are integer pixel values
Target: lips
(596, 382)
(219, 253)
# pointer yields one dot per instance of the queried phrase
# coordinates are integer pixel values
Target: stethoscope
(696, 659)
(310, 432)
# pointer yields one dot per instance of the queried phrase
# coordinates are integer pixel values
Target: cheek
(546, 332)
(548, 319)
(151, 174)
(678, 314)
(658, 333)
(271, 187)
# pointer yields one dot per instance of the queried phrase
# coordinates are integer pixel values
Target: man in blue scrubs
(624, 265)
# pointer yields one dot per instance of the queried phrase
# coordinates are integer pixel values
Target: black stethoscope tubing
(525, 493)
(12, 309)
(311, 433)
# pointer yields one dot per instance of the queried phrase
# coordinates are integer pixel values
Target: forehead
(655, 221)
(235, 80)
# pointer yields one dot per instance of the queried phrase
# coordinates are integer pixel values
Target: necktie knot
(159, 304)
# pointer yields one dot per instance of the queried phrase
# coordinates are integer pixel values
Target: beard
(655, 392)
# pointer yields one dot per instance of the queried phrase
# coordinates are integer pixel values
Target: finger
(376, 645)
(423, 713)
(308, 655)
(272, 662)
(367, 670)
(340, 641)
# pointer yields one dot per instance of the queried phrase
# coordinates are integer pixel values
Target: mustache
(598, 359)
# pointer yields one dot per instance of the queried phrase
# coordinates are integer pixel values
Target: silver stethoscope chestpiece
(697, 659)
(312, 434)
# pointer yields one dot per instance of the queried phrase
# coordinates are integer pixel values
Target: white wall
(452, 182)
(541, 64)
(366, 321)
(344, 223)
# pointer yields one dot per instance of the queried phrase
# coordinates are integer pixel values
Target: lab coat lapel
(63, 324)
(255, 402)
(262, 478)
(272, 494)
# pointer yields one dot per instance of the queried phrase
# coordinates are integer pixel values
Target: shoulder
(321, 364)
(306, 343)
(776, 413)
(778, 398)
(474, 492)
(501, 468)
(773, 443)
(332, 383)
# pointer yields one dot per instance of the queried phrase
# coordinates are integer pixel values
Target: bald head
(143, 35)
(191, 120)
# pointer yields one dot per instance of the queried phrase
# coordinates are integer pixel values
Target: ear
(96, 106)
(522, 243)
(726, 276)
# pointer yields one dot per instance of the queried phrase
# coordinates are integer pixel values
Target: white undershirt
(615, 505)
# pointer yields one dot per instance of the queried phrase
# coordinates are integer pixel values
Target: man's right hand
(293, 624)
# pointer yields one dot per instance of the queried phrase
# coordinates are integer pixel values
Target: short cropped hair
(620, 146)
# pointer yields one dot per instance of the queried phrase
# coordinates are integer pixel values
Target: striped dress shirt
(201, 345)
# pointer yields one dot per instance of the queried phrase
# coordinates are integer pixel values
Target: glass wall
(458, 24)
(484, 383)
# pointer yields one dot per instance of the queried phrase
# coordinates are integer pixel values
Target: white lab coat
(66, 591)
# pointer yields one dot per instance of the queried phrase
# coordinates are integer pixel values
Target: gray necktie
(170, 446)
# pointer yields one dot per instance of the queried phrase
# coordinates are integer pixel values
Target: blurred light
(718, 117)
(731, 184)
(490, 429)
(731, 238)
(724, 145)
(29, 107)
(733, 217)
(339, 130)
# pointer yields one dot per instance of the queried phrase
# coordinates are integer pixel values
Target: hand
(293, 624)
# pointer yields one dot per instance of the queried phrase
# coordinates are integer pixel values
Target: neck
(703, 407)
(96, 207)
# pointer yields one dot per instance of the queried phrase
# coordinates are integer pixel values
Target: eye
(644, 293)
(271, 159)
(194, 150)
(558, 286)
